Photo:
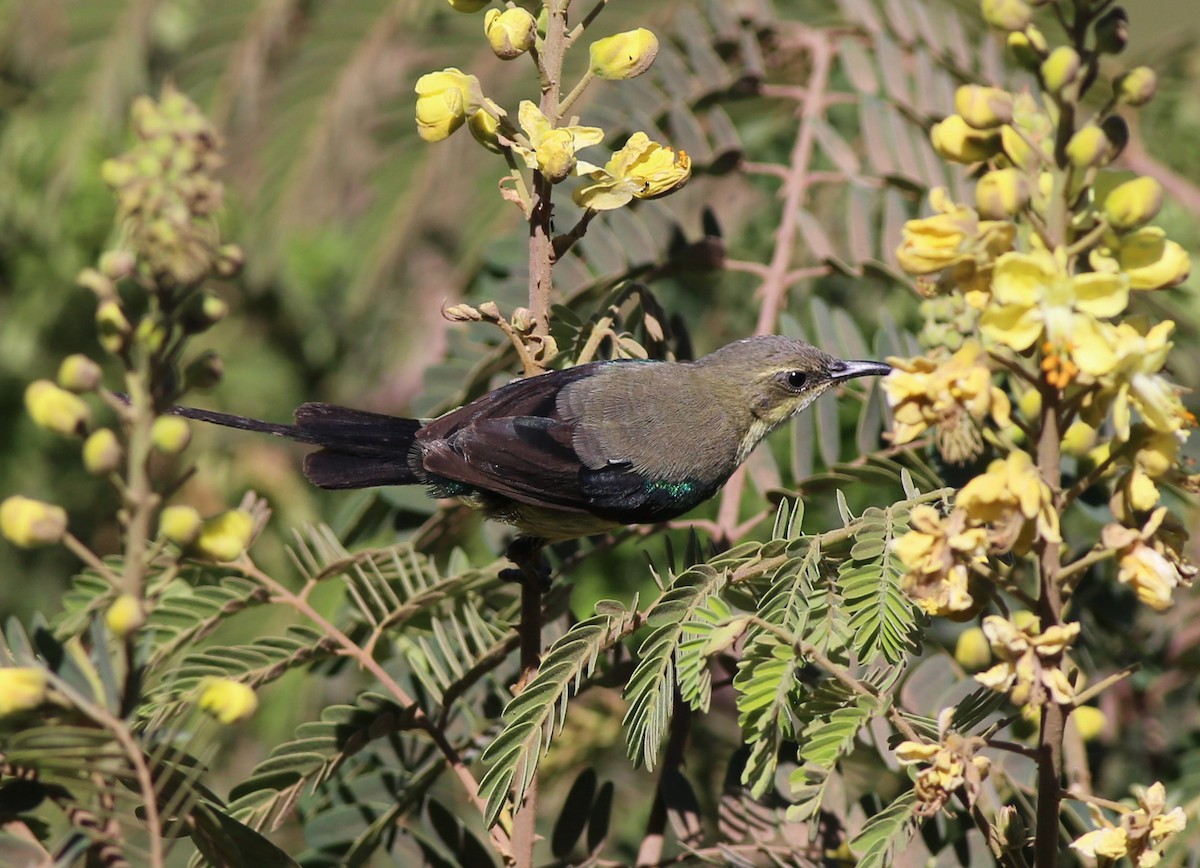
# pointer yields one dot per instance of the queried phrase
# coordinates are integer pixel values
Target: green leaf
(536, 715)
(651, 688)
(885, 833)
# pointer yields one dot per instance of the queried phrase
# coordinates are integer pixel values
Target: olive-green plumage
(578, 451)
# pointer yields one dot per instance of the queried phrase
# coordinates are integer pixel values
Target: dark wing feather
(528, 459)
(512, 442)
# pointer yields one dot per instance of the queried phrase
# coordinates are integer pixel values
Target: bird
(578, 451)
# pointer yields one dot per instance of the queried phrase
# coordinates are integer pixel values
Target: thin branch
(1103, 684)
(349, 648)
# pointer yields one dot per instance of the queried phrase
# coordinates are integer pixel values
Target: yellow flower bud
(1079, 439)
(624, 55)
(1089, 721)
(151, 333)
(230, 260)
(101, 452)
(22, 688)
(556, 155)
(510, 33)
(1028, 47)
(1136, 87)
(1060, 69)
(227, 700)
(113, 327)
(117, 264)
(1133, 203)
(78, 373)
(1089, 148)
(1002, 193)
(180, 524)
(1019, 151)
(224, 537)
(972, 650)
(56, 409)
(1151, 260)
(98, 283)
(468, 5)
(983, 107)
(444, 99)
(484, 127)
(125, 616)
(954, 140)
(1030, 405)
(1007, 14)
(170, 434)
(29, 523)
(202, 311)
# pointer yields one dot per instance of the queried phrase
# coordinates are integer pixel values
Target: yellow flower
(1036, 299)
(551, 150)
(937, 553)
(953, 397)
(623, 55)
(1147, 256)
(956, 244)
(444, 100)
(1111, 843)
(1029, 670)
(1013, 501)
(22, 688)
(951, 765)
(956, 140)
(1134, 382)
(1141, 833)
(642, 169)
(29, 523)
(1151, 565)
(227, 700)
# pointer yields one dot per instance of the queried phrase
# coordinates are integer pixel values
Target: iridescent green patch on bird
(674, 489)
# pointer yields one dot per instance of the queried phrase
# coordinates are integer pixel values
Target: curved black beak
(840, 371)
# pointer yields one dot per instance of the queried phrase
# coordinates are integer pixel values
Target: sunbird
(579, 451)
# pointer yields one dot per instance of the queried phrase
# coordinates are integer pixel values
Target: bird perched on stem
(580, 451)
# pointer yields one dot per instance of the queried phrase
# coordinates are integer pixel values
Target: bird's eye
(796, 379)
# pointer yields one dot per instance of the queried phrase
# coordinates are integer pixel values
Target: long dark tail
(359, 449)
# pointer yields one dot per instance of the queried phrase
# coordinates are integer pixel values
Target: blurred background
(356, 233)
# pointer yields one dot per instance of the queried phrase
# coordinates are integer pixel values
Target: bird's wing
(525, 458)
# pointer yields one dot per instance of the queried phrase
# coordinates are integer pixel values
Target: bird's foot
(531, 568)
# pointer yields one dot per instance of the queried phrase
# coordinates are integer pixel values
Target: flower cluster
(938, 553)
(951, 765)
(1140, 834)
(641, 169)
(952, 397)
(1029, 670)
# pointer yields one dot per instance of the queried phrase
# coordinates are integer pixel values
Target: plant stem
(1050, 605)
(650, 851)
(420, 720)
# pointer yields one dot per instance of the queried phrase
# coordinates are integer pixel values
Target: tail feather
(359, 449)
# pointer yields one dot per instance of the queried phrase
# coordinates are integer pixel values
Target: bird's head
(777, 377)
